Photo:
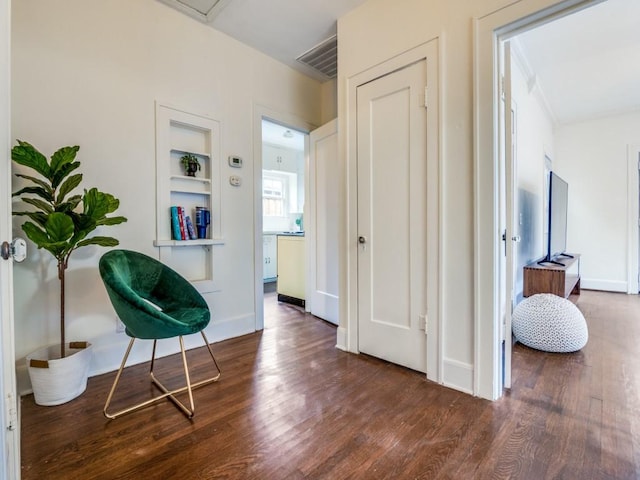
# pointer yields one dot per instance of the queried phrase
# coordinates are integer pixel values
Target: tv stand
(553, 277)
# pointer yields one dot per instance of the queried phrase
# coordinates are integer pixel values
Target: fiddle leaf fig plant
(60, 221)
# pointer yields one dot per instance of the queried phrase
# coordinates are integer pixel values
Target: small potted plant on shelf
(191, 164)
(60, 222)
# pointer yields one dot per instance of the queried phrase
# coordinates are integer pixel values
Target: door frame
(488, 32)
(10, 416)
(633, 217)
(347, 335)
(261, 112)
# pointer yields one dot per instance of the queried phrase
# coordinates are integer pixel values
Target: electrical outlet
(119, 326)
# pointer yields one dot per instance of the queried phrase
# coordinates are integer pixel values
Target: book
(175, 224)
(183, 227)
(190, 230)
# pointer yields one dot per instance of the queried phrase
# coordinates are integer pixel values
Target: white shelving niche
(179, 132)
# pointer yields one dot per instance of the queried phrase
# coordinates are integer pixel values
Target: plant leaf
(68, 185)
(38, 217)
(37, 181)
(59, 227)
(39, 204)
(98, 240)
(26, 154)
(62, 173)
(112, 221)
(41, 192)
(62, 157)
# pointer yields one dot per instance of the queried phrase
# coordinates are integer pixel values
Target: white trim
(633, 217)
(488, 31)
(341, 339)
(458, 375)
(603, 285)
(349, 270)
(9, 438)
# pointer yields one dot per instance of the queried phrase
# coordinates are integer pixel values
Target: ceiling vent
(203, 10)
(323, 57)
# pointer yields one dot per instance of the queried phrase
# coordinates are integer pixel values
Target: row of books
(181, 224)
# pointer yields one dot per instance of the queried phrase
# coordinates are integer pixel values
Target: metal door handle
(362, 240)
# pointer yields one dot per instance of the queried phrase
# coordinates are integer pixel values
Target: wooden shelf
(188, 243)
(548, 277)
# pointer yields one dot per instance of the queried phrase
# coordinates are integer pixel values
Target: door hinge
(502, 93)
(11, 413)
(426, 96)
(424, 323)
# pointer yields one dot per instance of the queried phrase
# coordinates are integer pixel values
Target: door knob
(362, 239)
(16, 249)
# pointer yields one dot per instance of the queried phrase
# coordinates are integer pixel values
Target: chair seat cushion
(550, 323)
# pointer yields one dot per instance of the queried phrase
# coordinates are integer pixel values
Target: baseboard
(604, 285)
(108, 350)
(341, 339)
(458, 375)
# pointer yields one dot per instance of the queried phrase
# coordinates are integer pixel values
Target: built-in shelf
(182, 151)
(179, 133)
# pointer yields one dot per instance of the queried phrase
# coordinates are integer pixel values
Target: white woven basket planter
(549, 323)
(64, 378)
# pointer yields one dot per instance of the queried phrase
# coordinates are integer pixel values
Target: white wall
(88, 73)
(378, 31)
(592, 157)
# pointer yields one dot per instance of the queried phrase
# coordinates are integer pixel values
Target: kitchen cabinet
(282, 159)
(269, 254)
(291, 269)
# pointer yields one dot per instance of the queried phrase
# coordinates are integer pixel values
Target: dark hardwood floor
(290, 405)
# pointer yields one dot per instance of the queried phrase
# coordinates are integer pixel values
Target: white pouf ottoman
(549, 323)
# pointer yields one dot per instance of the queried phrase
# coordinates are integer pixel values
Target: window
(274, 195)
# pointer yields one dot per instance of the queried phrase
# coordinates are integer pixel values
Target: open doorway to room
(283, 201)
(577, 119)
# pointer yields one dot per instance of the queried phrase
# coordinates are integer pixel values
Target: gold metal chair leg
(166, 393)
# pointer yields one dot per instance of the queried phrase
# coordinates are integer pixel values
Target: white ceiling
(587, 64)
(282, 29)
(282, 136)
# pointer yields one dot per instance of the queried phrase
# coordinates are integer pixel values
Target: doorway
(509, 25)
(283, 192)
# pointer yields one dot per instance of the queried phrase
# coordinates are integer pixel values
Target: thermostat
(235, 161)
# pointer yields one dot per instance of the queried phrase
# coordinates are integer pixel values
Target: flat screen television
(557, 228)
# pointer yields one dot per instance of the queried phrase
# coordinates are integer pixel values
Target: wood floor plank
(289, 405)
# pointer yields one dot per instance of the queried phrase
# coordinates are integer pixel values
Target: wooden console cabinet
(551, 278)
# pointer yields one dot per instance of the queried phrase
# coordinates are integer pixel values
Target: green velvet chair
(154, 302)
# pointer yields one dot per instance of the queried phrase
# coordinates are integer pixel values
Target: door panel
(392, 212)
(322, 225)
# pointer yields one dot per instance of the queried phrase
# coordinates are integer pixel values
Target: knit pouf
(549, 323)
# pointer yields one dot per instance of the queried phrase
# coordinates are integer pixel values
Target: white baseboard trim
(109, 350)
(457, 375)
(604, 285)
(341, 338)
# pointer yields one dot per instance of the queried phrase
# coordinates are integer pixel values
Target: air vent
(203, 10)
(323, 57)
